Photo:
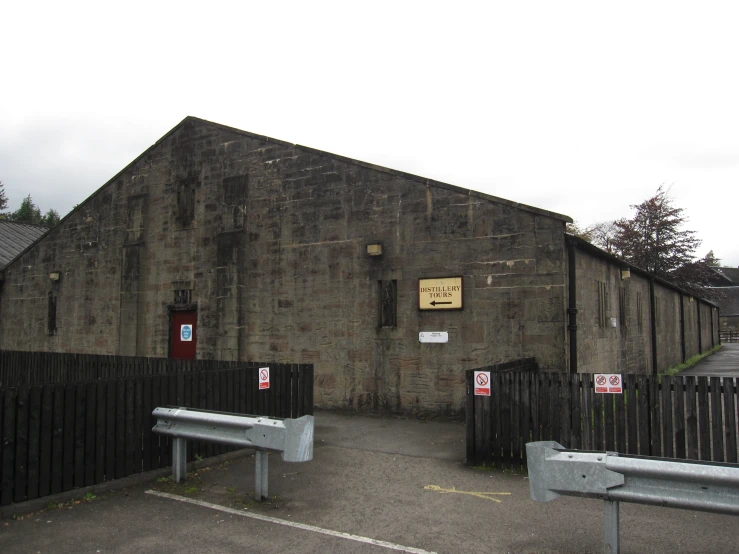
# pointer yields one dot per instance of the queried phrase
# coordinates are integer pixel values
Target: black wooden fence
(60, 436)
(35, 368)
(672, 417)
(728, 336)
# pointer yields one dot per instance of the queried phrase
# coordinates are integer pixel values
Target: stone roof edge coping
(591, 248)
(410, 176)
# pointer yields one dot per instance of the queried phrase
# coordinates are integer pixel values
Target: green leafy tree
(712, 260)
(28, 213)
(3, 200)
(50, 219)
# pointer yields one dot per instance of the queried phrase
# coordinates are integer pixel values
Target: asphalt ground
(374, 485)
(724, 363)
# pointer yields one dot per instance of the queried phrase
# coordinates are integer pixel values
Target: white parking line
(293, 524)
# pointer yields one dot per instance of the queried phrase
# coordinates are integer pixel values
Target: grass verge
(690, 362)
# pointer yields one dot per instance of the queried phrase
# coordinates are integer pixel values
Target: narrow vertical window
(388, 308)
(51, 319)
(186, 201)
(182, 296)
(602, 303)
(623, 306)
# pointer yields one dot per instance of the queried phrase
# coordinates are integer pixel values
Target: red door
(182, 338)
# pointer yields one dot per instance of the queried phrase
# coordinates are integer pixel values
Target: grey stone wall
(271, 240)
(603, 348)
(669, 349)
(690, 314)
(707, 339)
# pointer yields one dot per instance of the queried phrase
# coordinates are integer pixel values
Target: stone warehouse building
(216, 243)
(726, 282)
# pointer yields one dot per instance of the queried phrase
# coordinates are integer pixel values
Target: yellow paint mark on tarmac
(485, 495)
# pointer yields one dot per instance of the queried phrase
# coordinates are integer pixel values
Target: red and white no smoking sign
(482, 383)
(608, 383)
(263, 378)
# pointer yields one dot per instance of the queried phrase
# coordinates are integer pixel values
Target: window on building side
(388, 308)
(183, 296)
(623, 306)
(51, 319)
(602, 303)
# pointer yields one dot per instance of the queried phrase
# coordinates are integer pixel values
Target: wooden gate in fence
(672, 417)
(59, 436)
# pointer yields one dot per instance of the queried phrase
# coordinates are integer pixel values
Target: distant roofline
(591, 248)
(29, 226)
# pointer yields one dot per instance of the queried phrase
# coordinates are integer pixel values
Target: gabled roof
(381, 169)
(15, 238)
(590, 248)
(409, 176)
(726, 276)
(728, 301)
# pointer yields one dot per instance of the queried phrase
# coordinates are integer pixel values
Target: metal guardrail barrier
(687, 484)
(292, 438)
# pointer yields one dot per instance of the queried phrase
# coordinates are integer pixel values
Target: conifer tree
(655, 239)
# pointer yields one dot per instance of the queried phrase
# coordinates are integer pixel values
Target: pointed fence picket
(58, 436)
(673, 417)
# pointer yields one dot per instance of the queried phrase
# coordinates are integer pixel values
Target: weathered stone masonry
(271, 240)
(267, 242)
(616, 330)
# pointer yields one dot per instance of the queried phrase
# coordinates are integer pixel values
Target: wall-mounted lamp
(691, 299)
(55, 275)
(374, 249)
(625, 274)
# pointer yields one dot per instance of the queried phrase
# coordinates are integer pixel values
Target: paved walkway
(375, 485)
(724, 363)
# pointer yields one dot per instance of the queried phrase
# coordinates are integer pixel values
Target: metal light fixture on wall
(625, 273)
(55, 275)
(374, 249)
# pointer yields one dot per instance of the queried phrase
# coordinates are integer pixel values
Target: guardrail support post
(179, 459)
(610, 527)
(261, 476)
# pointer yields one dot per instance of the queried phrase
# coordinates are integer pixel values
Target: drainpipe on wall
(682, 326)
(700, 339)
(653, 324)
(572, 309)
(713, 337)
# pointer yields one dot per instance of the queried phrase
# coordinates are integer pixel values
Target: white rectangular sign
(608, 383)
(482, 383)
(263, 378)
(433, 336)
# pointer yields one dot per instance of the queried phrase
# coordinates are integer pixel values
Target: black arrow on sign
(434, 303)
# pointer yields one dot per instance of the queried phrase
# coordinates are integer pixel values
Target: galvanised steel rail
(292, 438)
(687, 484)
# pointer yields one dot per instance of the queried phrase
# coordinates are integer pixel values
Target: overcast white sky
(581, 108)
